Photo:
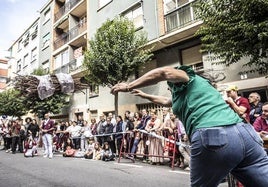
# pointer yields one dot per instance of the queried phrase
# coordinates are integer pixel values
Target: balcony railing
(71, 66)
(71, 34)
(78, 29)
(180, 17)
(65, 8)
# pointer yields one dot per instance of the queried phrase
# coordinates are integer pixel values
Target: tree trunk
(116, 103)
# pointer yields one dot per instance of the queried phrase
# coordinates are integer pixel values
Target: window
(18, 65)
(93, 91)
(178, 13)
(61, 59)
(26, 39)
(25, 60)
(103, 3)
(192, 57)
(135, 15)
(46, 40)
(19, 44)
(46, 16)
(170, 5)
(33, 54)
(45, 66)
(34, 31)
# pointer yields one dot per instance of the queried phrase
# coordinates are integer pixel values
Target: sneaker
(50, 157)
(7, 151)
(187, 169)
(44, 156)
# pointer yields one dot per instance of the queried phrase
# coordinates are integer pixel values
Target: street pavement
(18, 171)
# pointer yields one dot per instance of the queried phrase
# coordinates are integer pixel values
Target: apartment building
(171, 26)
(3, 74)
(45, 35)
(24, 51)
(69, 41)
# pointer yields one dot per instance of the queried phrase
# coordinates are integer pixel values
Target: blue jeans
(219, 150)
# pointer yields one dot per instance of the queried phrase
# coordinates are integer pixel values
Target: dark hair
(28, 118)
(266, 103)
(120, 117)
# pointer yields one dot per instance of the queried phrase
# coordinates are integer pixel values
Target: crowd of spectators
(145, 135)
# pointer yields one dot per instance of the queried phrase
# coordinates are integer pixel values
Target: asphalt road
(18, 171)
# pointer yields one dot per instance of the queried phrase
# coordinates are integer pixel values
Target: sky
(15, 17)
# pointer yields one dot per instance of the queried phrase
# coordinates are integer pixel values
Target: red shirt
(260, 124)
(242, 101)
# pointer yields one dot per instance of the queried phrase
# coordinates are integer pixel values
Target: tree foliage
(115, 52)
(12, 104)
(234, 29)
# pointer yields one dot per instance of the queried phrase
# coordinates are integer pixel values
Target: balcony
(180, 17)
(78, 29)
(74, 32)
(61, 40)
(65, 8)
(70, 67)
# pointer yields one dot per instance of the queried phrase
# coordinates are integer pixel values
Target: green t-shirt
(199, 105)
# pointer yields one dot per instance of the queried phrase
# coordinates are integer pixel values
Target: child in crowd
(68, 148)
(90, 148)
(30, 147)
(107, 154)
(97, 151)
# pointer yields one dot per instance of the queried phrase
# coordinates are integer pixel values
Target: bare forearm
(161, 100)
(158, 75)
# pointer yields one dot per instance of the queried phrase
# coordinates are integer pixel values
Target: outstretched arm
(152, 77)
(161, 100)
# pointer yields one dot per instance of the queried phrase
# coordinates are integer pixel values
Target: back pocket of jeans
(214, 139)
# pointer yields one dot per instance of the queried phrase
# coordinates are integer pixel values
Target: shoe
(187, 169)
(44, 156)
(7, 151)
(50, 156)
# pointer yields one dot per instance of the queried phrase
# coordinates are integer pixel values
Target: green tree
(12, 103)
(234, 29)
(116, 52)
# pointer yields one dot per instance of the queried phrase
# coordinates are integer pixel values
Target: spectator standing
(107, 135)
(47, 129)
(75, 132)
(239, 104)
(93, 127)
(15, 134)
(28, 122)
(101, 129)
(255, 106)
(119, 134)
(33, 130)
(86, 134)
(6, 128)
(155, 146)
(144, 137)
